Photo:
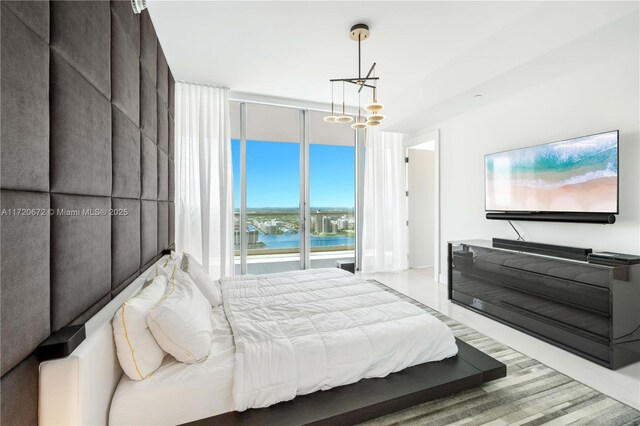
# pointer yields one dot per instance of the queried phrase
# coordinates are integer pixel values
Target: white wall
(421, 208)
(596, 97)
(600, 96)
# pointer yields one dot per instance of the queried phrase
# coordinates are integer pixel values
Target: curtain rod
(214, 86)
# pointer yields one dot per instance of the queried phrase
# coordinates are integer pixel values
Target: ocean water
(557, 164)
(293, 241)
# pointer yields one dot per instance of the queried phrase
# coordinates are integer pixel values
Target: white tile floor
(622, 384)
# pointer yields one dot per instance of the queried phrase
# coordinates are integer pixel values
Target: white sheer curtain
(384, 229)
(204, 182)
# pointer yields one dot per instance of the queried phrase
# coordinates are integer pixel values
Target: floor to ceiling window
(294, 189)
(331, 191)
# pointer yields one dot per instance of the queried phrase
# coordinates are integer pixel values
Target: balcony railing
(290, 222)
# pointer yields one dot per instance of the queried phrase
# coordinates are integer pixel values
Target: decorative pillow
(158, 270)
(181, 321)
(138, 352)
(196, 272)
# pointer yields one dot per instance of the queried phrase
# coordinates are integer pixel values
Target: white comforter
(303, 331)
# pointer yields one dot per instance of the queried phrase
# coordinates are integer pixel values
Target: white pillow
(155, 272)
(196, 272)
(181, 321)
(138, 352)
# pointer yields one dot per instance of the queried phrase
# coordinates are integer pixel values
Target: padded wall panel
(172, 93)
(122, 12)
(163, 176)
(24, 67)
(125, 71)
(80, 256)
(25, 274)
(81, 33)
(171, 128)
(148, 231)
(163, 127)
(80, 150)
(163, 225)
(19, 394)
(172, 224)
(162, 83)
(124, 284)
(67, 68)
(86, 315)
(35, 14)
(149, 263)
(125, 239)
(126, 156)
(172, 182)
(149, 169)
(148, 106)
(148, 46)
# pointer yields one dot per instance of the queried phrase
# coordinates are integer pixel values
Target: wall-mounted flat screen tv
(570, 176)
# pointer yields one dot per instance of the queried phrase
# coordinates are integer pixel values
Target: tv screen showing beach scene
(575, 175)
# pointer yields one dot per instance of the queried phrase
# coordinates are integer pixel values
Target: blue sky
(273, 174)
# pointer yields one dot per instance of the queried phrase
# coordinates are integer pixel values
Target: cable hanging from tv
(514, 228)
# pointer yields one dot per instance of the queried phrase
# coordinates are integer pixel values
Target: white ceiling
(432, 57)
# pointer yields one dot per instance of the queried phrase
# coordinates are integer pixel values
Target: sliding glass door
(331, 192)
(294, 185)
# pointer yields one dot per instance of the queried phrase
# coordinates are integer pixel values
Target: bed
(179, 392)
(277, 336)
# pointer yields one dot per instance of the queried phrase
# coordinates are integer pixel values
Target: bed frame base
(371, 398)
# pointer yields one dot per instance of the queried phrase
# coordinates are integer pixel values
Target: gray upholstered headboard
(87, 126)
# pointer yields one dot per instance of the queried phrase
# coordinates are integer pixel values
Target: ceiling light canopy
(359, 33)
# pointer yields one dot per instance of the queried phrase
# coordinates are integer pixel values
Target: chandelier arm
(368, 74)
(353, 82)
(354, 79)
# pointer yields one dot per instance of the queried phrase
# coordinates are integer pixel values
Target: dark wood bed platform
(371, 398)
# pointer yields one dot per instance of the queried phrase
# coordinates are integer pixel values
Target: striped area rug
(531, 394)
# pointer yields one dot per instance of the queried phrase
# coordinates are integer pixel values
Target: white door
(420, 177)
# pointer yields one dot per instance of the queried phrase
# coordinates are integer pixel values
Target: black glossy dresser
(590, 310)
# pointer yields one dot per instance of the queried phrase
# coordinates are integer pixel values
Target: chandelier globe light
(359, 33)
(359, 124)
(374, 106)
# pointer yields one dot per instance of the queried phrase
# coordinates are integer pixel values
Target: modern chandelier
(359, 33)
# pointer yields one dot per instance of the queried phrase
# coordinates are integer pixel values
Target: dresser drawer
(597, 350)
(574, 271)
(478, 286)
(557, 289)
